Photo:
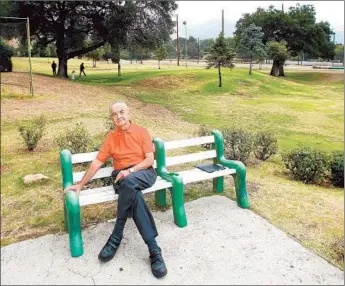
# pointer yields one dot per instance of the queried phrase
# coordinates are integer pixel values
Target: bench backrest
(169, 161)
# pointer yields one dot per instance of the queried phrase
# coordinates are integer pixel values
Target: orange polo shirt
(127, 148)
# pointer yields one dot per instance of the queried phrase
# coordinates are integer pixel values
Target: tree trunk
(60, 46)
(275, 69)
(159, 64)
(250, 65)
(118, 69)
(220, 76)
(141, 59)
(281, 70)
(62, 70)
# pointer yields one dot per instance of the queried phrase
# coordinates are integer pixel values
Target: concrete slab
(222, 244)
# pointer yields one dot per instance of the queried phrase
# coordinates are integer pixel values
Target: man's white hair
(117, 102)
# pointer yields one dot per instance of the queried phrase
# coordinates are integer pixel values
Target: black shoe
(157, 263)
(110, 248)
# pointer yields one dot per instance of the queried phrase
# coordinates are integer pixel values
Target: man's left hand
(121, 175)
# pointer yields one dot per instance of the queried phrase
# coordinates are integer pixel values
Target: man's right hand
(75, 188)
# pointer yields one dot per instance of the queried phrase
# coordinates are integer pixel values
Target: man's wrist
(132, 170)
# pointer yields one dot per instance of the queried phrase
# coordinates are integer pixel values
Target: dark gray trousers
(131, 202)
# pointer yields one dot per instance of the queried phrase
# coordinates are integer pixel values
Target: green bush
(238, 144)
(32, 131)
(337, 169)
(109, 124)
(308, 165)
(76, 140)
(265, 145)
(204, 131)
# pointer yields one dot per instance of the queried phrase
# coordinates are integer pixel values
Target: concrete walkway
(222, 244)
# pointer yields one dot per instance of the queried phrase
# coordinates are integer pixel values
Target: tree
(68, 23)
(205, 45)
(297, 27)
(95, 55)
(250, 44)
(160, 54)
(278, 52)
(339, 53)
(5, 58)
(220, 56)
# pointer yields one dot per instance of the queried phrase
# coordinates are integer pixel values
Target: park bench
(173, 181)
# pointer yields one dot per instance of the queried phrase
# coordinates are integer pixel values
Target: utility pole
(198, 49)
(223, 22)
(29, 54)
(186, 42)
(177, 44)
(283, 8)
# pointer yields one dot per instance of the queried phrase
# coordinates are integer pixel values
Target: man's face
(119, 114)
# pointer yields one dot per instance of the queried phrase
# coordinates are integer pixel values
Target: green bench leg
(218, 184)
(161, 198)
(73, 217)
(240, 187)
(65, 217)
(180, 217)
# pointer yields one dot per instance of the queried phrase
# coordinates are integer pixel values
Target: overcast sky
(204, 17)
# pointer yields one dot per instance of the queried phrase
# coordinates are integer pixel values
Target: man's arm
(91, 171)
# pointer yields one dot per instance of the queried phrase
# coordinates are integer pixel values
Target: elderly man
(131, 148)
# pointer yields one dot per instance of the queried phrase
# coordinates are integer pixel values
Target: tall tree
(251, 45)
(297, 27)
(220, 56)
(68, 23)
(160, 54)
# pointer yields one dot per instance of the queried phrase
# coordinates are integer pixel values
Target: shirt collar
(118, 131)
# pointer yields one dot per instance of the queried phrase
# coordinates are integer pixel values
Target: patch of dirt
(332, 77)
(164, 82)
(63, 100)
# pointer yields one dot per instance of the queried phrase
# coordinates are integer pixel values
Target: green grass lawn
(302, 109)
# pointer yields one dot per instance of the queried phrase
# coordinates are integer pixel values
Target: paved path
(222, 244)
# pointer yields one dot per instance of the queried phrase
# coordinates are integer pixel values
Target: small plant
(337, 169)
(32, 131)
(265, 145)
(238, 144)
(308, 165)
(77, 140)
(109, 125)
(204, 131)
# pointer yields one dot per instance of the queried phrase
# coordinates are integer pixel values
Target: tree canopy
(251, 45)
(69, 23)
(220, 56)
(297, 27)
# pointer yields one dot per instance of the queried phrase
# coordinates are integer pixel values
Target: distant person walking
(54, 68)
(82, 68)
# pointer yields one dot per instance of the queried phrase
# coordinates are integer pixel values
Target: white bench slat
(104, 194)
(84, 157)
(176, 160)
(188, 142)
(195, 175)
(101, 173)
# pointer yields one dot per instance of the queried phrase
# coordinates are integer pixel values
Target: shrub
(77, 140)
(238, 144)
(32, 131)
(337, 169)
(308, 165)
(109, 125)
(265, 145)
(204, 131)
